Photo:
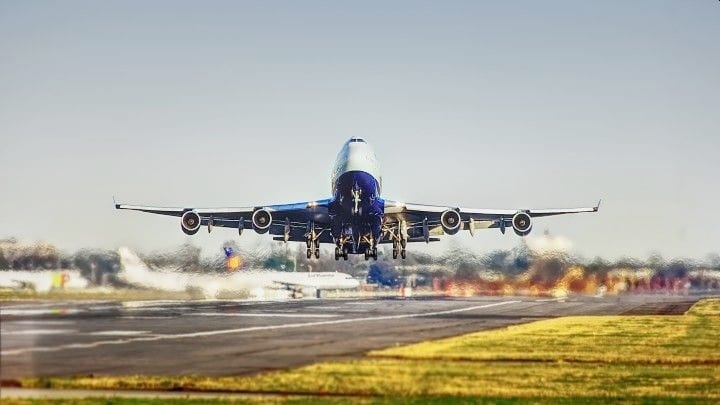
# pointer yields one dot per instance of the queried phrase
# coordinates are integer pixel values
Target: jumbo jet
(356, 218)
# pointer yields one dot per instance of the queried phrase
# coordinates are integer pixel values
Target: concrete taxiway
(244, 337)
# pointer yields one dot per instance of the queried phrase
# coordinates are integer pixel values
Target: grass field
(586, 359)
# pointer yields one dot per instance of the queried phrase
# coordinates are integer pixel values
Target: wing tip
(117, 205)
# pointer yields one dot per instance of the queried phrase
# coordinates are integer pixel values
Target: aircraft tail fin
(132, 269)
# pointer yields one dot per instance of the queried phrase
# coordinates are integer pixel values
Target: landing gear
(341, 249)
(399, 243)
(341, 253)
(371, 252)
(313, 241)
(314, 250)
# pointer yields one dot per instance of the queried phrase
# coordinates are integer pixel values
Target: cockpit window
(357, 140)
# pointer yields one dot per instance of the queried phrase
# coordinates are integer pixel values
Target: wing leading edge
(423, 221)
(291, 221)
(418, 222)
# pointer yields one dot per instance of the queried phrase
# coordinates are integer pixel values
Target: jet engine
(522, 223)
(451, 222)
(261, 220)
(190, 222)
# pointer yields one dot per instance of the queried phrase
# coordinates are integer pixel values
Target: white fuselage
(356, 155)
(134, 271)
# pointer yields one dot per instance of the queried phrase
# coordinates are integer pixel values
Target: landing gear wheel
(374, 253)
(308, 253)
(337, 253)
(395, 253)
(317, 253)
(367, 255)
(345, 254)
(403, 254)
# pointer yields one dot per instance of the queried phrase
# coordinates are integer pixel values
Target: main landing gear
(399, 240)
(312, 242)
(371, 252)
(371, 249)
(312, 248)
(341, 249)
(341, 252)
(399, 247)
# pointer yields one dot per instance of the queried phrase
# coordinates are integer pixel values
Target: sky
(521, 104)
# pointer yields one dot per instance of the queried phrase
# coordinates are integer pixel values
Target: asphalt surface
(218, 338)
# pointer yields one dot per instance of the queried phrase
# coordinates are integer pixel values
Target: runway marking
(322, 307)
(119, 333)
(268, 315)
(149, 303)
(40, 332)
(39, 322)
(51, 311)
(155, 309)
(559, 299)
(243, 330)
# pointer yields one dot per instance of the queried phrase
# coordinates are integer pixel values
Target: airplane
(356, 218)
(135, 272)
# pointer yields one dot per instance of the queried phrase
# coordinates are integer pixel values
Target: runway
(218, 338)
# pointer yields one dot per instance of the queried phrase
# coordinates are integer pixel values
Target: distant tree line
(457, 263)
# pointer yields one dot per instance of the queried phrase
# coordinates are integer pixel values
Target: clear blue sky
(480, 104)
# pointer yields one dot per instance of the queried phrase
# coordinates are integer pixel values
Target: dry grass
(607, 339)
(710, 307)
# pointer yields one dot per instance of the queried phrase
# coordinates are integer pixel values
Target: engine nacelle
(190, 222)
(522, 223)
(261, 220)
(451, 222)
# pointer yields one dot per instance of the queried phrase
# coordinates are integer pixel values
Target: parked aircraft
(255, 282)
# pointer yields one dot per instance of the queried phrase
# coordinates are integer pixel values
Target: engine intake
(450, 221)
(522, 223)
(261, 220)
(190, 222)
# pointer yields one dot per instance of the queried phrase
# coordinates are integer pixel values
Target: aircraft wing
(294, 217)
(424, 221)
